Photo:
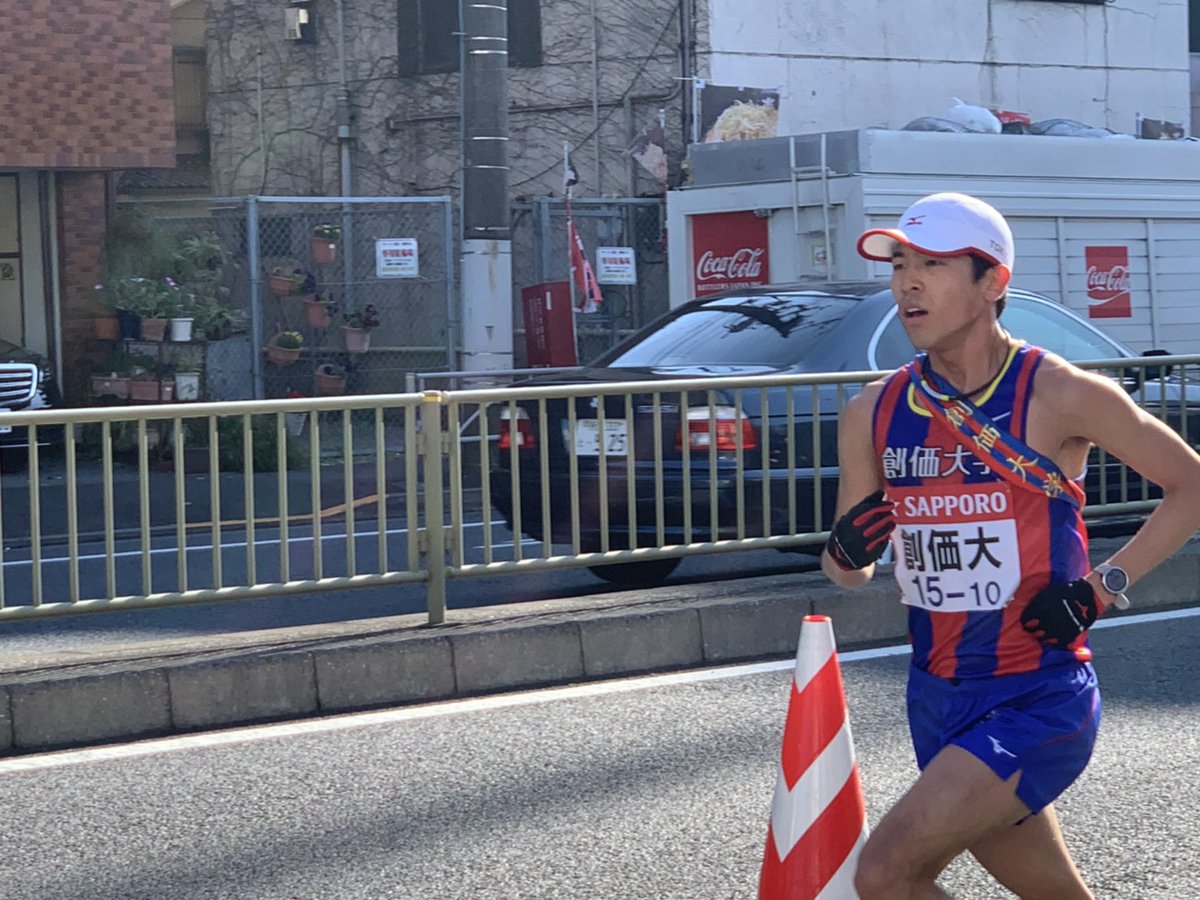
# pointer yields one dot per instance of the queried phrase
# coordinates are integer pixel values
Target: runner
(969, 461)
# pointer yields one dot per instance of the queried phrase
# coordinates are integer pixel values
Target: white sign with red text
(397, 258)
(616, 265)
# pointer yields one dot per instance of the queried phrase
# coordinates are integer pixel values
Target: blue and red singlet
(971, 548)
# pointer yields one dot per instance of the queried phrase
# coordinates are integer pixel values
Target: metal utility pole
(487, 304)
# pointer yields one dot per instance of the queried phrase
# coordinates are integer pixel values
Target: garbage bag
(973, 118)
(1069, 128)
(933, 123)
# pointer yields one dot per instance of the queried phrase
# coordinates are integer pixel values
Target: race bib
(956, 546)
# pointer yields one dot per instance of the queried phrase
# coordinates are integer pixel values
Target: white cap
(945, 225)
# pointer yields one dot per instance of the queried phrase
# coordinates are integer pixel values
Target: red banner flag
(588, 298)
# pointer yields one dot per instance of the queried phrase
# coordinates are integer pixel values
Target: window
(1194, 26)
(429, 39)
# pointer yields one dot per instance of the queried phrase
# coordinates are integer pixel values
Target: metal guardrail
(247, 499)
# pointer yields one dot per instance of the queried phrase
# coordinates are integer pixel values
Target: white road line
(457, 707)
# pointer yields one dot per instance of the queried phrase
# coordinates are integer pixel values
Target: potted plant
(357, 328)
(149, 388)
(160, 299)
(284, 348)
(286, 282)
(110, 378)
(187, 365)
(133, 299)
(329, 380)
(322, 243)
(182, 316)
(319, 311)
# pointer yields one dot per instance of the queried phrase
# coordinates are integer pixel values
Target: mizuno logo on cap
(915, 220)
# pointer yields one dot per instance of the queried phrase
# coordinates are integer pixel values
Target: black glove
(1059, 613)
(860, 536)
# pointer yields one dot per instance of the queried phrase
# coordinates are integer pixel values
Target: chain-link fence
(295, 271)
(540, 254)
(365, 286)
(328, 296)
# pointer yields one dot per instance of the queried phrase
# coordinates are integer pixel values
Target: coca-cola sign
(1108, 282)
(729, 250)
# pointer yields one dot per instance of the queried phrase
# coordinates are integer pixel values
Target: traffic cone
(818, 817)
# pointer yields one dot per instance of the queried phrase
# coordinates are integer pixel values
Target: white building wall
(858, 63)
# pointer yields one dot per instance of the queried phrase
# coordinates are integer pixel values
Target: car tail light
(524, 430)
(722, 426)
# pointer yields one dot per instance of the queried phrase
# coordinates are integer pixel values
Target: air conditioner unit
(296, 23)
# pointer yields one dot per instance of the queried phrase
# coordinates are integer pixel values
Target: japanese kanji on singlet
(972, 547)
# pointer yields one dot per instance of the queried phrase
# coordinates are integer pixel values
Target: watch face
(1115, 580)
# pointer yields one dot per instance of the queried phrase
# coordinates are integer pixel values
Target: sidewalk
(179, 686)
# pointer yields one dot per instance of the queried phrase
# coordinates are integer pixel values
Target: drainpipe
(343, 106)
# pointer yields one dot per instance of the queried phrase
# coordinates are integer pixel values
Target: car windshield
(1038, 322)
(764, 331)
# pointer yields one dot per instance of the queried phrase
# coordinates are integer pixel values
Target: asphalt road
(658, 790)
(112, 628)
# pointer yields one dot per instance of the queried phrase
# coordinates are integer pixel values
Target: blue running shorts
(1041, 723)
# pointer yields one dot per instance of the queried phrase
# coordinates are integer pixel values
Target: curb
(179, 686)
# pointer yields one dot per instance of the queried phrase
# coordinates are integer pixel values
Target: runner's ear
(1003, 276)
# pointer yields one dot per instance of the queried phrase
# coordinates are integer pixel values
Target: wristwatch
(1115, 581)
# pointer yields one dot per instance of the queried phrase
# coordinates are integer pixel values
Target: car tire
(642, 572)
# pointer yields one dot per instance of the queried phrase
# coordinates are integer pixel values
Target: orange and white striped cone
(818, 817)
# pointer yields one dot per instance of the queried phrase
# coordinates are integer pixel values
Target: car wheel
(648, 571)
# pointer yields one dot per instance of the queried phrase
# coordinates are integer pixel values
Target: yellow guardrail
(156, 505)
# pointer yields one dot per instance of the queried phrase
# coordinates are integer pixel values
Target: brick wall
(87, 84)
(82, 220)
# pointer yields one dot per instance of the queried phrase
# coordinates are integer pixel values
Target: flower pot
(324, 251)
(187, 386)
(358, 340)
(181, 329)
(317, 313)
(152, 391)
(154, 329)
(129, 324)
(281, 285)
(106, 328)
(111, 385)
(282, 356)
(326, 385)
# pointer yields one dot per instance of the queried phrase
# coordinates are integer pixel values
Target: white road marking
(249, 734)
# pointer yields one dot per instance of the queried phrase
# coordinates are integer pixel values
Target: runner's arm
(1100, 411)
(859, 474)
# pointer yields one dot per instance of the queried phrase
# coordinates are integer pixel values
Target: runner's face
(938, 298)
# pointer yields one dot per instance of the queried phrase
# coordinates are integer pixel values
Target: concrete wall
(871, 63)
(283, 139)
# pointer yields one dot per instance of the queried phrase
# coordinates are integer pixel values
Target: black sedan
(660, 468)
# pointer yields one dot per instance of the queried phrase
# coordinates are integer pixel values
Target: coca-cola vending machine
(729, 250)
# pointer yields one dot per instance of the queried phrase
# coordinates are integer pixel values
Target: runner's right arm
(859, 476)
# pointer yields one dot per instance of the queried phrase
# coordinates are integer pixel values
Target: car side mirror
(1153, 373)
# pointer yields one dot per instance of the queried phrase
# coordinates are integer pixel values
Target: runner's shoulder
(1065, 385)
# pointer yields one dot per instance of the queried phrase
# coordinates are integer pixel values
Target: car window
(1053, 328)
(770, 330)
(1044, 324)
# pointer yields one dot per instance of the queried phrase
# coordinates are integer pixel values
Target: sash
(999, 450)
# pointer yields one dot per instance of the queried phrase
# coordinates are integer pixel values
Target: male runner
(969, 459)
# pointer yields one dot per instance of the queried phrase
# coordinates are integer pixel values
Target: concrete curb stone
(185, 685)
